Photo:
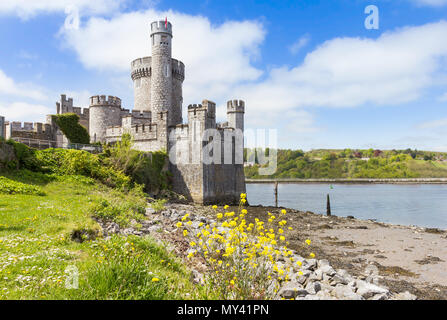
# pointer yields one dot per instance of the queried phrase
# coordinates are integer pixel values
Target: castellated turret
(141, 77)
(235, 114)
(158, 79)
(104, 112)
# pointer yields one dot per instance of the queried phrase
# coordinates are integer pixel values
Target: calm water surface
(422, 205)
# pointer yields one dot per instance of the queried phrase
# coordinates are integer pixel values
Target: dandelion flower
(155, 279)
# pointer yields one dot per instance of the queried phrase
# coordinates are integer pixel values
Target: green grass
(36, 247)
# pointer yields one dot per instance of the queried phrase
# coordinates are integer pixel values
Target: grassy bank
(39, 240)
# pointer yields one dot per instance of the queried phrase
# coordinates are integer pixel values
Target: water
(423, 205)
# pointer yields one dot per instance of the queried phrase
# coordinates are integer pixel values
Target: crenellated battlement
(208, 107)
(160, 27)
(178, 69)
(138, 132)
(141, 62)
(141, 114)
(235, 106)
(35, 127)
(105, 101)
(141, 68)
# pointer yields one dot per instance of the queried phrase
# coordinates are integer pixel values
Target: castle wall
(29, 130)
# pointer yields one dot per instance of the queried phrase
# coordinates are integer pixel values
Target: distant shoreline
(354, 181)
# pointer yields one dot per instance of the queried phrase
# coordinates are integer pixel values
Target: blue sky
(309, 69)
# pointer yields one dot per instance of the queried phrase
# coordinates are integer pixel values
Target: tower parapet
(141, 67)
(105, 101)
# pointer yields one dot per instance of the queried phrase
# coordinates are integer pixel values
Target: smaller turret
(235, 114)
(104, 112)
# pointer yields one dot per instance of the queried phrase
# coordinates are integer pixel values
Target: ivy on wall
(70, 126)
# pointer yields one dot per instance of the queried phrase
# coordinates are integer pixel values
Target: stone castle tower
(155, 123)
(158, 79)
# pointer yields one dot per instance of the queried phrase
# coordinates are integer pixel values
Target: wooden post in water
(328, 206)
(276, 193)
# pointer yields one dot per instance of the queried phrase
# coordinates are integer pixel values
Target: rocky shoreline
(330, 277)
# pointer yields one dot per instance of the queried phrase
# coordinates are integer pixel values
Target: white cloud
(434, 124)
(23, 111)
(299, 44)
(217, 58)
(347, 72)
(443, 97)
(430, 3)
(10, 88)
(28, 8)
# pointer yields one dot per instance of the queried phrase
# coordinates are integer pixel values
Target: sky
(312, 70)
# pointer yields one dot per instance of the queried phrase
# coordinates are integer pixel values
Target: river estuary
(413, 204)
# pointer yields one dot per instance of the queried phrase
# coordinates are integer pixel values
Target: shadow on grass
(12, 228)
(28, 177)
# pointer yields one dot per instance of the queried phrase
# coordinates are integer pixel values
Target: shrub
(243, 259)
(9, 186)
(158, 205)
(143, 167)
(77, 162)
(25, 156)
(72, 129)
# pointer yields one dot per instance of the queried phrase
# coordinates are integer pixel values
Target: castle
(156, 123)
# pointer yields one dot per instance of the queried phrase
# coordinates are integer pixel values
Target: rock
(310, 264)
(343, 273)
(113, 228)
(338, 279)
(368, 290)
(324, 295)
(323, 262)
(150, 211)
(317, 275)
(328, 270)
(195, 224)
(404, 296)
(350, 217)
(197, 277)
(128, 231)
(346, 293)
(292, 290)
(313, 287)
(380, 296)
(301, 278)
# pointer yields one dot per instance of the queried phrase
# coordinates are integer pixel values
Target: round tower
(161, 70)
(104, 112)
(141, 77)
